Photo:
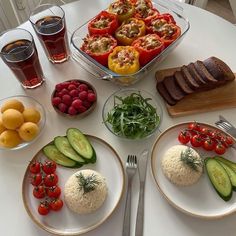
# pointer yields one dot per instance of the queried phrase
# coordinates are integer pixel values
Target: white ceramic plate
(200, 199)
(65, 222)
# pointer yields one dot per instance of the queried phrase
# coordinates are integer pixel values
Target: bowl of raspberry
(74, 98)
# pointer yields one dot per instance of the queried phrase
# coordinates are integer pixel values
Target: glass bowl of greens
(132, 114)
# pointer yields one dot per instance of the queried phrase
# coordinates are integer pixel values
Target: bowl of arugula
(132, 114)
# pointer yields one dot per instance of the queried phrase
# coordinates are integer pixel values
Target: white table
(209, 35)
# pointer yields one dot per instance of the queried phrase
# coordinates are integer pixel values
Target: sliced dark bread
(173, 88)
(193, 72)
(218, 69)
(163, 92)
(192, 83)
(203, 72)
(180, 80)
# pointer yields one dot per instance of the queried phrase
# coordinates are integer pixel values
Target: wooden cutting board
(216, 99)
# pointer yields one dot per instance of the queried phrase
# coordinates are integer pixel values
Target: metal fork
(131, 167)
(226, 126)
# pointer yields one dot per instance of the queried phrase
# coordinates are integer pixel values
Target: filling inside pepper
(102, 22)
(149, 42)
(120, 7)
(124, 57)
(163, 28)
(98, 44)
(130, 30)
(143, 9)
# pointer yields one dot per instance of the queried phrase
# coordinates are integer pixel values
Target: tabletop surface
(209, 35)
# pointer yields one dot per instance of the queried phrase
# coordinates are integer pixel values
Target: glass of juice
(49, 24)
(18, 51)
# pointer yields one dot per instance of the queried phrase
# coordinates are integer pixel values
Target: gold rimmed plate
(65, 222)
(199, 199)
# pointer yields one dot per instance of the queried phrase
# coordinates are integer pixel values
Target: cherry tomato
(215, 135)
(49, 167)
(39, 192)
(205, 131)
(54, 192)
(196, 140)
(220, 149)
(51, 180)
(209, 145)
(35, 167)
(36, 179)
(194, 126)
(43, 208)
(56, 204)
(184, 137)
(229, 140)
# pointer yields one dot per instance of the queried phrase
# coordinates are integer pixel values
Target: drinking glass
(49, 24)
(18, 51)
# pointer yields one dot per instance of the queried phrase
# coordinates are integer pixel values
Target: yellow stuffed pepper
(123, 9)
(130, 30)
(124, 60)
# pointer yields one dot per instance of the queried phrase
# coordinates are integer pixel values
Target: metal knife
(232, 130)
(142, 169)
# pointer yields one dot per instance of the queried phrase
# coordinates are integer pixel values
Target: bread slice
(165, 95)
(218, 69)
(192, 83)
(193, 72)
(180, 80)
(173, 88)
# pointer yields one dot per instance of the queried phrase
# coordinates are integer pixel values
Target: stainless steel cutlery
(226, 126)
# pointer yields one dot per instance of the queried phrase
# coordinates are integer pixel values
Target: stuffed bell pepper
(122, 8)
(103, 23)
(99, 47)
(164, 26)
(130, 30)
(124, 60)
(148, 46)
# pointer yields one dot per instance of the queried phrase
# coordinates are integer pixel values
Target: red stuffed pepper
(164, 26)
(148, 46)
(146, 14)
(103, 23)
(99, 47)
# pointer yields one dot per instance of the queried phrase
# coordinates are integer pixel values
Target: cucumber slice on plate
(64, 147)
(81, 144)
(219, 178)
(229, 163)
(54, 154)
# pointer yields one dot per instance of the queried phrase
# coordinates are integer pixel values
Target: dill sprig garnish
(87, 183)
(192, 161)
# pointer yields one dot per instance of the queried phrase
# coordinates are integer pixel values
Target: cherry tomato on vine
(36, 179)
(50, 180)
(196, 140)
(56, 204)
(43, 208)
(54, 192)
(49, 167)
(35, 167)
(229, 140)
(194, 126)
(209, 145)
(220, 149)
(39, 192)
(184, 137)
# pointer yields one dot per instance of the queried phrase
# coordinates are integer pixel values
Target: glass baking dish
(102, 72)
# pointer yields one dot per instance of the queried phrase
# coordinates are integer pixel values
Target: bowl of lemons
(22, 119)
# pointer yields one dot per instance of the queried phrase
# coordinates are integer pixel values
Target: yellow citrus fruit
(12, 119)
(9, 139)
(31, 115)
(28, 131)
(13, 104)
(2, 127)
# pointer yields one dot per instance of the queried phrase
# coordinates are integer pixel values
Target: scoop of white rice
(176, 170)
(79, 201)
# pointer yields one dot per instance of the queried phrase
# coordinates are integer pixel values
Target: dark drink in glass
(49, 24)
(22, 58)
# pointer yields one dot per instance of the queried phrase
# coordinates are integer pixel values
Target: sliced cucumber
(231, 174)
(229, 163)
(81, 144)
(64, 147)
(54, 154)
(219, 178)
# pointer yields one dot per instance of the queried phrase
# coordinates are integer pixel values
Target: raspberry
(72, 110)
(71, 87)
(87, 104)
(64, 91)
(81, 109)
(56, 101)
(91, 97)
(83, 87)
(77, 103)
(62, 107)
(66, 99)
(74, 93)
(83, 95)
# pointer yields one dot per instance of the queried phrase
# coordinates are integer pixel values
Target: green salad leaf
(133, 116)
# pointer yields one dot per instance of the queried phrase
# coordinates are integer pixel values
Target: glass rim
(47, 4)
(15, 53)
